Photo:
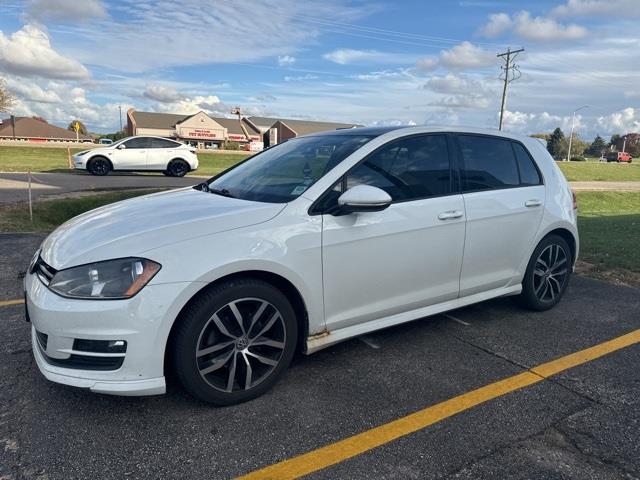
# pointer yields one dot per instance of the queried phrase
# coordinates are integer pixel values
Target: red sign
(198, 133)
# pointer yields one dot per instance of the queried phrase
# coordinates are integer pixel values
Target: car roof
(416, 129)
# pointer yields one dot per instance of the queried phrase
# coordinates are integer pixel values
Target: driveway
(13, 186)
(582, 423)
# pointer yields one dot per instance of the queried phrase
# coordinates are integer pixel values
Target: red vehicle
(619, 157)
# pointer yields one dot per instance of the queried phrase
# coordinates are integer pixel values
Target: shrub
(230, 145)
(578, 158)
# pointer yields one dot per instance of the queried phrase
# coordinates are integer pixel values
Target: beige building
(276, 130)
(27, 129)
(199, 130)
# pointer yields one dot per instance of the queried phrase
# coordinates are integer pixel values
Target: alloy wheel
(240, 345)
(550, 273)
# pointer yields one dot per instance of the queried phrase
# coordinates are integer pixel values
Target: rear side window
(163, 143)
(489, 163)
(529, 174)
(407, 169)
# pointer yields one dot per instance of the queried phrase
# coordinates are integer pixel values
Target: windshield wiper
(220, 191)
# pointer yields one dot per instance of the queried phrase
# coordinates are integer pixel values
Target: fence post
(30, 200)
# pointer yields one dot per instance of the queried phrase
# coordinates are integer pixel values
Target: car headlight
(79, 154)
(111, 279)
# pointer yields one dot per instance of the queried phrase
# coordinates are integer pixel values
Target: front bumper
(80, 162)
(142, 322)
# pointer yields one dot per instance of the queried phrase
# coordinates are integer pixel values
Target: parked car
(619, 157)
(311, 242)
(105, 141)
(139, 154)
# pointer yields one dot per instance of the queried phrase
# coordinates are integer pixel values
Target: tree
(555, 144)
(82, 130)
(597, 147)
(7, 100)
(615, 139)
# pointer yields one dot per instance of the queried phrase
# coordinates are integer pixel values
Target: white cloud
(543, 29)
(286, 60)
(346, 56)
(467, 55)
(189, 105)
(498, 24)
(623, 121)
(67, 10)
(462, 101)
(162, 94)
(463, 56)
(451, 83)
(535, 29)
(300, 78)
(622, 8)
(236, 31)
(427, 63)
(28, 52)
(31, 91)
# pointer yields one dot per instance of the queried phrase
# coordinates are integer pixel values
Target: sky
(373, 63)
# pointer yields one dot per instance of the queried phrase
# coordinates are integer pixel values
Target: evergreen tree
(597, 147)
(555, 143)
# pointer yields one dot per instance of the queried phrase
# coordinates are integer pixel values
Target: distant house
(27, 129)
(276, 130)
(199, 130)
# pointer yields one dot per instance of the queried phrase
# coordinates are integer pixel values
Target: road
(583, 423)
(13, 186)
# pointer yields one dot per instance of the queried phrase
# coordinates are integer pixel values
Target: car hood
(131, 227)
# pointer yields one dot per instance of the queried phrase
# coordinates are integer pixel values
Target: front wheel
(547, 275)
(178, 168)
(234, 341)
(99, 166)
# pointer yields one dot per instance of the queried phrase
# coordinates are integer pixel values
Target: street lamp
(573, 121)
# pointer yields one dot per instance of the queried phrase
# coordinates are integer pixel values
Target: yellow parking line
(6, 303)
(350, 447)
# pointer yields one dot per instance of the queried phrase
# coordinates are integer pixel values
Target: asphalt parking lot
(583, 423)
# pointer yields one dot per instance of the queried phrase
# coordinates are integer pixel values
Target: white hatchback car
(313, 241)
(154, 154)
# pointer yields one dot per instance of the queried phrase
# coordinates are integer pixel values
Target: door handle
(533, 203)
(449, 215)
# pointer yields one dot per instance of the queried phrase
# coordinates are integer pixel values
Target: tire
(547, 274)
(211, 348)
(164, 172)
(99, 166)
(178, 168)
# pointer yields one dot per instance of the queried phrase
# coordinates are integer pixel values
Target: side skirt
(326, 339)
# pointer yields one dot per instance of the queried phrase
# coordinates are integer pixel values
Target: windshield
(282, 173)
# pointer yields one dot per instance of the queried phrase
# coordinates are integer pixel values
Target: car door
(408, 256)
(504, 201)
(161, 152)
(132, 154)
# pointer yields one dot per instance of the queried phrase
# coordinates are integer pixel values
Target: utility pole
(510, 72)
(120, 111)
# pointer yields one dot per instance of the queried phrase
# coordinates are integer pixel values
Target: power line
(510, 72)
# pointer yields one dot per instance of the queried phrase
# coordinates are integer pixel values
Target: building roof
(233, 126)
(27, 127)
(305, 127)
(157, 120)
(301, 127)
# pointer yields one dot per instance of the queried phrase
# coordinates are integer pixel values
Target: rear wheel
(547, 274)
(177, 168)
(235, 341)
(99, 166)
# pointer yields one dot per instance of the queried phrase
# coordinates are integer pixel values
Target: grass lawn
(48, 214)
(54, 159)
(600, 171)
(609, 225)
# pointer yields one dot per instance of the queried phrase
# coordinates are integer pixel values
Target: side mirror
(121, 146)
(363, 198)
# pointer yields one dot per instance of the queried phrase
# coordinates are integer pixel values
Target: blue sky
(401, 62)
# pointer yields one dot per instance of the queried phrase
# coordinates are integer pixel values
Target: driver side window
(407, 169)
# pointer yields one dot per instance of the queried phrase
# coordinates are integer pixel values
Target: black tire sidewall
(528, 296)
(93, 162)
(171, 168)
(198, 313)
